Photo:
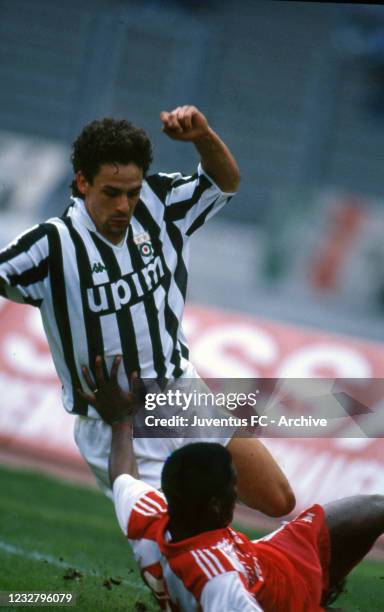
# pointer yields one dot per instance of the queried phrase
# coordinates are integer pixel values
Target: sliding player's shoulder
(137, 504)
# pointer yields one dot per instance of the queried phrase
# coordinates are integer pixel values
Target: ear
(215, 506)
(82, 183)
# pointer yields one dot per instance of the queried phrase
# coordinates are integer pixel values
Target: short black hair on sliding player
(109, 141)
(195, 478)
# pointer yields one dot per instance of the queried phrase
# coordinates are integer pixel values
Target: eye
(134, 194)
(111, 192)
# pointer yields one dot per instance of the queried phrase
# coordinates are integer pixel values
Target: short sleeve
(130, 494)
(24, 267)
(192, 200)
(226, 593)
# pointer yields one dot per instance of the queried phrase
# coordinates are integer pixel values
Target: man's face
(112, 197)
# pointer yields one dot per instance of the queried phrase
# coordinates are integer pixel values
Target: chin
(113, 233)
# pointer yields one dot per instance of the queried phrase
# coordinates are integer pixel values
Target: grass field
(49, 529)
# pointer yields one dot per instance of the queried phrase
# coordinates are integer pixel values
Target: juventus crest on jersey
(97, 298)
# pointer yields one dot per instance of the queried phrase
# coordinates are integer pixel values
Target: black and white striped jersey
(97, 298)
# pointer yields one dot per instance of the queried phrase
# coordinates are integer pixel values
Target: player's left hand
(185, 123)
(111, 402)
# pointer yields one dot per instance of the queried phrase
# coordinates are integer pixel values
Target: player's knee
(281, 502)
(285, 501)
(377, 501)
(371, 502)
(278, 500)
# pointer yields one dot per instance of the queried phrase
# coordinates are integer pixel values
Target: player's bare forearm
(188, 124)
(122, 459)
(217, 161)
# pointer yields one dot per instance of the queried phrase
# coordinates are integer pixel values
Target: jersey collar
(202, 540)
(79, 213)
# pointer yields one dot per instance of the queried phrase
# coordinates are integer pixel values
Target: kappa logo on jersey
(128, 289)
(98, 267)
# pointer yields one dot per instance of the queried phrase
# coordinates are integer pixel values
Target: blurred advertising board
(321, 468)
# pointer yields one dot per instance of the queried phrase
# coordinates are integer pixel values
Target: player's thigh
(93, 439)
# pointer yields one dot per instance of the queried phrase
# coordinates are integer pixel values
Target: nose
(123, 205)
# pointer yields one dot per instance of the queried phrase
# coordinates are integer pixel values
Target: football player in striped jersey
(110, 278)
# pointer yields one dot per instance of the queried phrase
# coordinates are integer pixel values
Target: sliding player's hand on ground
(111, 402)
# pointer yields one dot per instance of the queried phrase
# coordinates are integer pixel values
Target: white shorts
(93, 438)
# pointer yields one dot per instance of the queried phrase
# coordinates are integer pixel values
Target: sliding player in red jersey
(192, 558)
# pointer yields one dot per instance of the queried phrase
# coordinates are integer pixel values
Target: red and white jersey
(209, 576)
(222, 570)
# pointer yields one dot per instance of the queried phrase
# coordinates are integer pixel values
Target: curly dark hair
(108, 141)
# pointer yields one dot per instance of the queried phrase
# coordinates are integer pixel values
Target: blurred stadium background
(297, 90)
(294, 263)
